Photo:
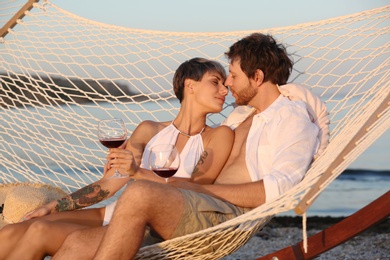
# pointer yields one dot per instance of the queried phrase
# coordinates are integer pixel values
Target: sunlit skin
(240, 85)
(243, 88)
(233, 184)
(210, 92)
(255, 91)
(245, 194)
(200, 98)
(161, 206)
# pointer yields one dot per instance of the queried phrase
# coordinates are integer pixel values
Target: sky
(229, 15)
(213, 15)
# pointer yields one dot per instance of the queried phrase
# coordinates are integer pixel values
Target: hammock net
(60, 74)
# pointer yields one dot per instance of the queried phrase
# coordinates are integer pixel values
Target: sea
(366, 179)
(349, 192)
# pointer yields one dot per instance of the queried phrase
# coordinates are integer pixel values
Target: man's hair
(259, 51)
(194, 69)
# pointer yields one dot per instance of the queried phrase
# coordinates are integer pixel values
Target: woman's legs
(42, 238)
(12, 233)
(9, 236)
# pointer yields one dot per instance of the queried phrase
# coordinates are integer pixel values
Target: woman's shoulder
(222, 128)
(217, 138)
(219, 131)
(151, 127)
(153, 124)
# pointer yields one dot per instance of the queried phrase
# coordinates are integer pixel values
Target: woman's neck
(189, 125)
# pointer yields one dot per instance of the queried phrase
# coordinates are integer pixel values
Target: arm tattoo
(201, 161)
(84, 197)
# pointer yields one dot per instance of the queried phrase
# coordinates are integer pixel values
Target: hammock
(61, 73)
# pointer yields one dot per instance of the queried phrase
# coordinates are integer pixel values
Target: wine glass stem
(166, 180)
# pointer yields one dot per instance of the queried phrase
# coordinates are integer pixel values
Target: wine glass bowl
(164, 160)
(112, 133)
(112, 143)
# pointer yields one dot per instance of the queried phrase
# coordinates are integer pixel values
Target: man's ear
(259, 77)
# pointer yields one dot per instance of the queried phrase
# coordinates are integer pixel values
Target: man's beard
(245, 95)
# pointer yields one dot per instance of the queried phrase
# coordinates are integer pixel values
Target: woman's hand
(38, 212)
(120, 159)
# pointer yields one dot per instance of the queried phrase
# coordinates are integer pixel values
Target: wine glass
(112, 133)
(164, 160)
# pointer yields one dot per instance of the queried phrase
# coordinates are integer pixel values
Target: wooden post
(19, 15)
(337, 234)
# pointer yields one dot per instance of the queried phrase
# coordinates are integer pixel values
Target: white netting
(60, 74)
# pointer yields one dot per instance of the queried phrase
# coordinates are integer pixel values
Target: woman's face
(211, 92)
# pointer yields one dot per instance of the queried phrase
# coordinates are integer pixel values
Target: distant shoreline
(322, 222)
(55, 90)
(366, 171)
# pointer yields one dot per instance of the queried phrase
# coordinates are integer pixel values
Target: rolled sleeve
(280, 146)
(294, 143)
(271, 187)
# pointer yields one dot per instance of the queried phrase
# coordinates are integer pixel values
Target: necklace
(187, 135)
(182, 133)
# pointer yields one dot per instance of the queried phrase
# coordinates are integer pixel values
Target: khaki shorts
(202, 211)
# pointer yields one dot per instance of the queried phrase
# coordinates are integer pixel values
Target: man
(273, 148)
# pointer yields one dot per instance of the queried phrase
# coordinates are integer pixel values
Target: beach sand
(374, 243)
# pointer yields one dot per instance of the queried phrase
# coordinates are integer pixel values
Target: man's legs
(158, 205)
(81, 244)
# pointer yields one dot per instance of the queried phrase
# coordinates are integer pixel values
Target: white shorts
(108, 213)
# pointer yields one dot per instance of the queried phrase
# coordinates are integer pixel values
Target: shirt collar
(268, 113)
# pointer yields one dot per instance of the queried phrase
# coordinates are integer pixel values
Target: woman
(199, 86)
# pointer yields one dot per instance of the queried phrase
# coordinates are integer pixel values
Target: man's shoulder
(284, 107)
(291, 109)
(286, 102)
(237, 116)
(294, 105)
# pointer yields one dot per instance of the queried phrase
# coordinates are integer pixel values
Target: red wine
(112, 143)
(165, 172)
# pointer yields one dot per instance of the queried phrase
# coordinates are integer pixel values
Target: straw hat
(17, 199)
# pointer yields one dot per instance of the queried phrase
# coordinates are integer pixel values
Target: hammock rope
(61, 73)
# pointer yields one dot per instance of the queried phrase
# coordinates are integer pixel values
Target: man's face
(240, 85)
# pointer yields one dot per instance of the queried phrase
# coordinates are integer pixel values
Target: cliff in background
(39, 91)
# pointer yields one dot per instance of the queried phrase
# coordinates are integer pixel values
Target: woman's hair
(194, 69)
(259, 51)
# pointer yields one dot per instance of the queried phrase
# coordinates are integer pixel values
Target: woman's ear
(188, 85)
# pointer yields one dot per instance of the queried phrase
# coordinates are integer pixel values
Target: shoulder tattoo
(202, 158)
